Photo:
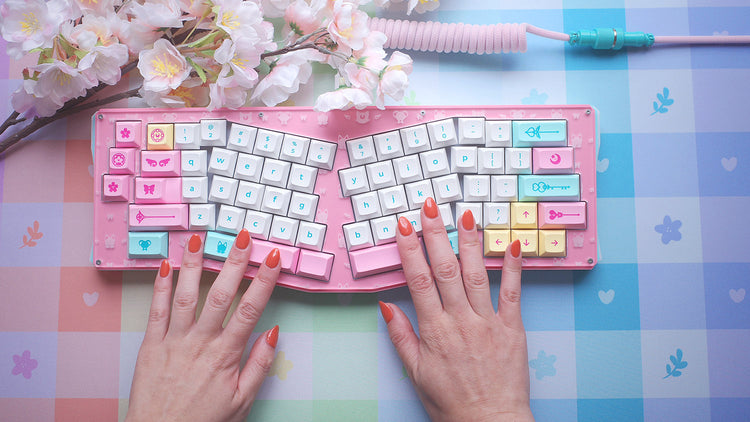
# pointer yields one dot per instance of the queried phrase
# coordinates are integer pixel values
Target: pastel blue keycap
(148, 245)
(553, 187)
(540, 133)
(217, 245)
(453, 238)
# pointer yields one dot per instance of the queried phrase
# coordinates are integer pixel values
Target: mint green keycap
(453, 238)
(148, 245)
(217, 245)
(553, 187)
(540, 133)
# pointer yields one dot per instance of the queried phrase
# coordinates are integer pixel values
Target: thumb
(402, 334)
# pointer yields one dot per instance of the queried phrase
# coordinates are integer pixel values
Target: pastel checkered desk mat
(670, 289)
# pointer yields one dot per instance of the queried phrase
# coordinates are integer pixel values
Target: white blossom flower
(421, 6)
(155, 14)
(291, 70)
(96, 7)
(349, 26)
(24, 102)
(395, 79)
(304, 17)
(162, 67)
(28, 24)
(104, 62)
(274, 8)
(60, 82)
(195, 8)
(239, 60)
(192, 93)
(223, 93)
(343, 99)
(137, 37)
(239, 18)
(91, 31)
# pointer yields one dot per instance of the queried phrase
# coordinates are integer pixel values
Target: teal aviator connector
(611, 39)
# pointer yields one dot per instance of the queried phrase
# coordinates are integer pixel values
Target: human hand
(190, 370)
(468, 362)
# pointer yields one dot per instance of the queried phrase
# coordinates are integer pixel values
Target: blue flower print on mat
(678, 364)
(24, 364)
(535, 98)
(664, 101)
(544, 365)
(670, 230)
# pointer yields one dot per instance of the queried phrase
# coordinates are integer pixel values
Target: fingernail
(194, 244)
(243, 239)
(386, 311)
(515, 248)
(430, 208)
(272, 337)
(404, 226)
(272, 260)
(467, 220)
(164, 270)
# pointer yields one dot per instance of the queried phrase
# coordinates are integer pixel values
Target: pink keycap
(315, 265)
(158, 190)
(122, 160)
(261, 249)
(160, 163)
(158, 217)
(375, 260)
(115, 187)
(552, 160)
(562, 215)
(128, 134)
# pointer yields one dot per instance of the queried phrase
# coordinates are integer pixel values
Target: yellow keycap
(495, 242)
(523, 215)
(528, 239)
(160, 136)
(551, 243)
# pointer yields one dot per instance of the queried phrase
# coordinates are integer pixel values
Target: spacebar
(375, 260)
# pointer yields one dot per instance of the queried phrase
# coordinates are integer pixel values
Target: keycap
(258, 224)
(315, 265)
(158, 217)
(471, 131)
(388, 145)
(230, 219)
(414, 218)
(384, 229)
(553, 160)
(248, 167)
(217, 245)
(288, 255)
(539, 133)
(354, 180)
(366, 206)
(222, 162)
(128, 134)
(283, 230)
(294, 148)
(490, 160)
(303, 206)
(453, 240)
(504, 188)
(268, 143)
(498, 133)
(518, 160)
(276, 200)
(417, 193)
(529, 241)
(160, 136)
(202, 216)
(195, 190)
(302, 178)
(358, 236)
(434, 163)
(376, 260)
(392, 200)
(213, 132)
(310, 235)
(562, 215)
(275, 173)
(407, 169)
(361, 151)
(551, 243)
(447, 189)
(223, 190)
(122, 160)
(496, 242)
(380, 175)
(187, 136)
(442, 133)
(241, 138)
(476, 210)
(321, 154)
(447, 215)
(160, 163)
(249, 195)
(194, 162)
(115, 188)
(463, 159)
(558, 187)
(148, 245)
(496, 215)
(523, 215)
(415, 139)
(476, 188)
(158, 190)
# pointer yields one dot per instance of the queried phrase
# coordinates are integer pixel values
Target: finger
(258, 364)
(222, 292)
(158, 316)
(253, 302)
(476, 282)
(509, 304)
(186, 293)
(402, 334)
(443, 261)
(417, 272)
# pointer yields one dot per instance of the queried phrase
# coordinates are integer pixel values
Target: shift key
(158, 217)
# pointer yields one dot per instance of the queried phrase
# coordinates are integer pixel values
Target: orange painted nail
(272, 337)
(243, 239)
(272, 260)
(164, 270)
(194, 245)
(515, 248)
(386, 311)
(430, 208)
(404, 226)
(467, 220)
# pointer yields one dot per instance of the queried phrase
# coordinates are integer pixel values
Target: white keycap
(283, 230)
(248, 167)
(498, 133)
(310, 235)
(213, 133)
(496, 215)
(417, 193)
(392, 200)
(353, 181)
(504, 188)
(223, 189)
(249, 195)
(230, 219)
(435, 163)
(321, 154)
(476, 210)
(294, 148)
(384, 229)
(476, 188)
(268, 143)
(381, 175)
(302, 178)
(490, 160)
(222, 162)
(258, 224)
(446, 213)
(202, 216)
(463, 159)
(415, 139)
(447, 189)
(407, 169)
(366, 206)
(194, 162)
(388, 145)
(442, 133)
(241, 138)
(361, 151)
(187, 136)
(517, 160)
(195, 190)
(303, 206)
(276, 200)
(414, 218)
(275, 172)
(358, 235)
(471, 131)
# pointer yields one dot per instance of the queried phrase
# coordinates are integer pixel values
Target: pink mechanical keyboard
(327, 188)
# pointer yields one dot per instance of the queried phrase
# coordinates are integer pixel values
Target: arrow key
(523, 215)
(496, 242)
(551, 243)
(528, 238)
